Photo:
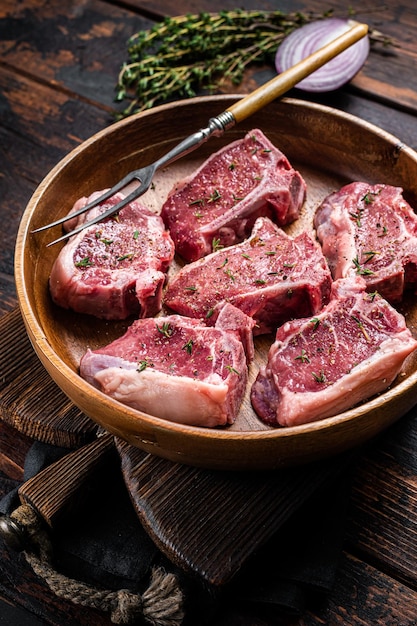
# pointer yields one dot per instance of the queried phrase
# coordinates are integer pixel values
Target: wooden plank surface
(396, 22)
(58, 68)
(29, 400)
(249, 508)
(384, 505)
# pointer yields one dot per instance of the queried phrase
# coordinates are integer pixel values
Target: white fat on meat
(321, 366)
(183, 400)
(115, 268)
(177, 368)
(370, 231)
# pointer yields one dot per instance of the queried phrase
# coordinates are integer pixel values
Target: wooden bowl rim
(40, 342)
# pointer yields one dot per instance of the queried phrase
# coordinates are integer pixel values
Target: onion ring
(309, 38)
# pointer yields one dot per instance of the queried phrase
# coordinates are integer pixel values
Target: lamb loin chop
(218, 204)
(321, 366)
(271, 277)
(371, 231)
(177, 368)
(116, 268)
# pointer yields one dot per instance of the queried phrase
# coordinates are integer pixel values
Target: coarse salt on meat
(270, 276)
(370, 231)
(116, 268)
(320, 366)
(217, 205)
(177, 368)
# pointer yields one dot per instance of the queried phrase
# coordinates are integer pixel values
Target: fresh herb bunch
(181, 55)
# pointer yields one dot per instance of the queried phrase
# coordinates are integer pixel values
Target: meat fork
(237, 112)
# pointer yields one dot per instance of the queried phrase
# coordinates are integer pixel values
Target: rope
(161, 604)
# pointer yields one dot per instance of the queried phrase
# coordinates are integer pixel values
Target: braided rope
(161, 604)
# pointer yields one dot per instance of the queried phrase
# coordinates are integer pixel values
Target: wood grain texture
(385, 492)
(365, 596)
(216, 520)
(29, 400)
(309, 135)
(378, 573)
(13, 449)
(77, 47)
(55, 490)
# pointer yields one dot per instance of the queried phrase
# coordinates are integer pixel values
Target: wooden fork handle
(288, 79)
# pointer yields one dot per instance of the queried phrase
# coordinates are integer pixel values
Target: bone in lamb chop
(370, 231)
(323, 365)
(116, 268)
(177, 368)
(218, 204)
(270, 276)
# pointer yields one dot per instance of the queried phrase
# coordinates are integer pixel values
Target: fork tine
(102, 216)
(105, 196)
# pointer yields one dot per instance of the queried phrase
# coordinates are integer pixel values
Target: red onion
(309, 38)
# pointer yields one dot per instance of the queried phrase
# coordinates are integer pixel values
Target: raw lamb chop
(177, 368)
(271, 277)
(116, 268)
(321, 366)
(219, 203)
(371, 231)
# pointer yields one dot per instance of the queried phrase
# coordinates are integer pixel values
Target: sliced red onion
(309, 38)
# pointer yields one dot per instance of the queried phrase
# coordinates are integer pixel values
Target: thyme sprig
(190, 53)
(186, 55)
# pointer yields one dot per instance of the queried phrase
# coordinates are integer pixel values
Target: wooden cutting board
(29, 399)
(207, 522)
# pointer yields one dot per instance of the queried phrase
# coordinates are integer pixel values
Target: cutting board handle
(52, 491)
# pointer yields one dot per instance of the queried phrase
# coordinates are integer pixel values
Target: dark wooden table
(58, 68)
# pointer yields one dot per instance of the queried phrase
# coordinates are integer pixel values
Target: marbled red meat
(318, 367)
(271, 277)
(116, 268)
(370, 231)
(218, 204)
(177, 368)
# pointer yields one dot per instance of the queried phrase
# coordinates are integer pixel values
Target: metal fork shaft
(216, 127)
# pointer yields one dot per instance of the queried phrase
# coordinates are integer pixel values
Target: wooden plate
(330, 148)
